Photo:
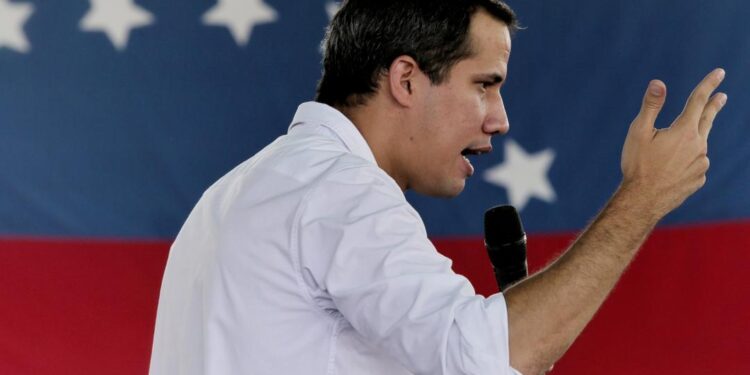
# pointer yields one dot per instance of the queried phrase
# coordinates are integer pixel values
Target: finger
(653, 101)
(696, 103)
(698, 168)
(709, 113)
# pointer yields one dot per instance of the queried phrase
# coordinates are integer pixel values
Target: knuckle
(700, 167)
(703, 164)
(699, 145)
(702, 181)
(652, 105)
(691, 137)
(700, 95)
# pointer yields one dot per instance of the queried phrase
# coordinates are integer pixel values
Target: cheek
(472, 112)
(466, 108)
(474, 104)
(453, 118)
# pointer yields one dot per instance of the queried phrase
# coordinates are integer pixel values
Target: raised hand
(665, 166)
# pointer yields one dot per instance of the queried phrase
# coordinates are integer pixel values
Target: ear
(402, 79)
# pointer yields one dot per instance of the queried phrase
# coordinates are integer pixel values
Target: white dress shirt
(307, 259)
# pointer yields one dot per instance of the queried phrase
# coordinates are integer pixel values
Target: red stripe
(88, 307)
(683, 307)
(78, 307)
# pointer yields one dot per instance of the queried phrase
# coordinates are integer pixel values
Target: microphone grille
(502, 225)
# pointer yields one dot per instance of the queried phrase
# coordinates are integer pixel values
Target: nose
(496, 121)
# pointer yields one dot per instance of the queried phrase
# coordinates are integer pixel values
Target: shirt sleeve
(364, 247)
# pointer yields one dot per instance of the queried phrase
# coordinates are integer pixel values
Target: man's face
(458, 117)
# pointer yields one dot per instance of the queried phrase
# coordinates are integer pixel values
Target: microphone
(506, 245)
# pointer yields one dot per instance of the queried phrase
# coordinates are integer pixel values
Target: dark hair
(366, 36)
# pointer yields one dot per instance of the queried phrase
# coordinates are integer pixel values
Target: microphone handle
(509, 263)
(506, 277)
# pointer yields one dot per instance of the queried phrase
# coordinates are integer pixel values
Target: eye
(487, 85)
(484, 85)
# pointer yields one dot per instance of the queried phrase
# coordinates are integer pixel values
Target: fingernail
(720, 73)
(723, 99)
(655, 89)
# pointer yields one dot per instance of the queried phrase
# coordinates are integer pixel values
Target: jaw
(446, 179)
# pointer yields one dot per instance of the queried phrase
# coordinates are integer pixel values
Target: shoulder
(355, 204)
(357, 186)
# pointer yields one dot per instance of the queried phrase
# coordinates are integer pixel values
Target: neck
(379, 128)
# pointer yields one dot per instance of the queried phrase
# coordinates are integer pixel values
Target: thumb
(653, 101)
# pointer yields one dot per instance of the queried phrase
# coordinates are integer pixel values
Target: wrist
(633, 201)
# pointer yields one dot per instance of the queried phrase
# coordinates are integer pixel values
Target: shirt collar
(314, 113)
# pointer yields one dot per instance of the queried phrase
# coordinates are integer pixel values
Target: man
(307, 258)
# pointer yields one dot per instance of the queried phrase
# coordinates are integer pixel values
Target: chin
(446, 190)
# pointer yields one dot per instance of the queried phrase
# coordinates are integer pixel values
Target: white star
(523, 175)
(116, 18)
(12, 18)
(332, 7)
(240, 16)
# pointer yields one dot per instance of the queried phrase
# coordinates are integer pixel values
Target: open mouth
(473, 151)
(476, 151)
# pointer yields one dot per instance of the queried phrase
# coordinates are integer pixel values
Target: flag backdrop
(115, 115)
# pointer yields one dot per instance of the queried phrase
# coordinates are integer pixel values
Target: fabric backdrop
(115, 115)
